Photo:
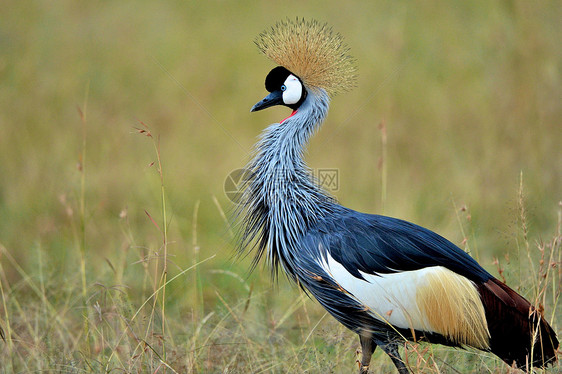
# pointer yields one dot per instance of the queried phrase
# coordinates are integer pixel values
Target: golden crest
(312, 51)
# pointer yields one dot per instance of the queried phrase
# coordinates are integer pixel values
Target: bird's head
(310, 56)
(285, 89)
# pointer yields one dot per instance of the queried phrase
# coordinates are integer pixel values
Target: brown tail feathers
(517, 329)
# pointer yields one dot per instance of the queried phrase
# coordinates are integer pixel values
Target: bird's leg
(391, 349)
(367, 349)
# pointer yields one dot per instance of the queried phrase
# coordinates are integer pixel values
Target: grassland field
(120, 122)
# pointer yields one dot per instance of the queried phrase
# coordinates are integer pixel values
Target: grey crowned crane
(386, 279)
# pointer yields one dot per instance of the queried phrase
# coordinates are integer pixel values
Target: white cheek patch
(293, 91)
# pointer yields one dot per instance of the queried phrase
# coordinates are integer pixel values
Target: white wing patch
(390, 297)
(432, 299)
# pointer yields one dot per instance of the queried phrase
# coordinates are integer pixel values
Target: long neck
(282, 199)
(279, 153)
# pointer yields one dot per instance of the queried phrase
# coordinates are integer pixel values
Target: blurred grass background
(470, 94)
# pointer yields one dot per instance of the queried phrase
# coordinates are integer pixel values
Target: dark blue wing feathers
(373, 244)
(378, 244)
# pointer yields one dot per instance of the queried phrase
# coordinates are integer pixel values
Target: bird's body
(386, 279)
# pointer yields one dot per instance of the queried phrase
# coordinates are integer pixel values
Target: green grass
(114, 251)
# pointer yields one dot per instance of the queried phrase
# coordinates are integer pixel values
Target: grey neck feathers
(282, 199)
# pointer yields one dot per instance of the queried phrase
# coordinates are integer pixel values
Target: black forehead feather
(276, 78)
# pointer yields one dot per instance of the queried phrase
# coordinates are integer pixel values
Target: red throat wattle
(292, 114)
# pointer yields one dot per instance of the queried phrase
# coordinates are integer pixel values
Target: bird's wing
(373, 244)
(409, 279)
(403, 275)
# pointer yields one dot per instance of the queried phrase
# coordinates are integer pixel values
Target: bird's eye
(283, 88)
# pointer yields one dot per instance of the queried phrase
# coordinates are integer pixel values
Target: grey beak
(274, 98)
